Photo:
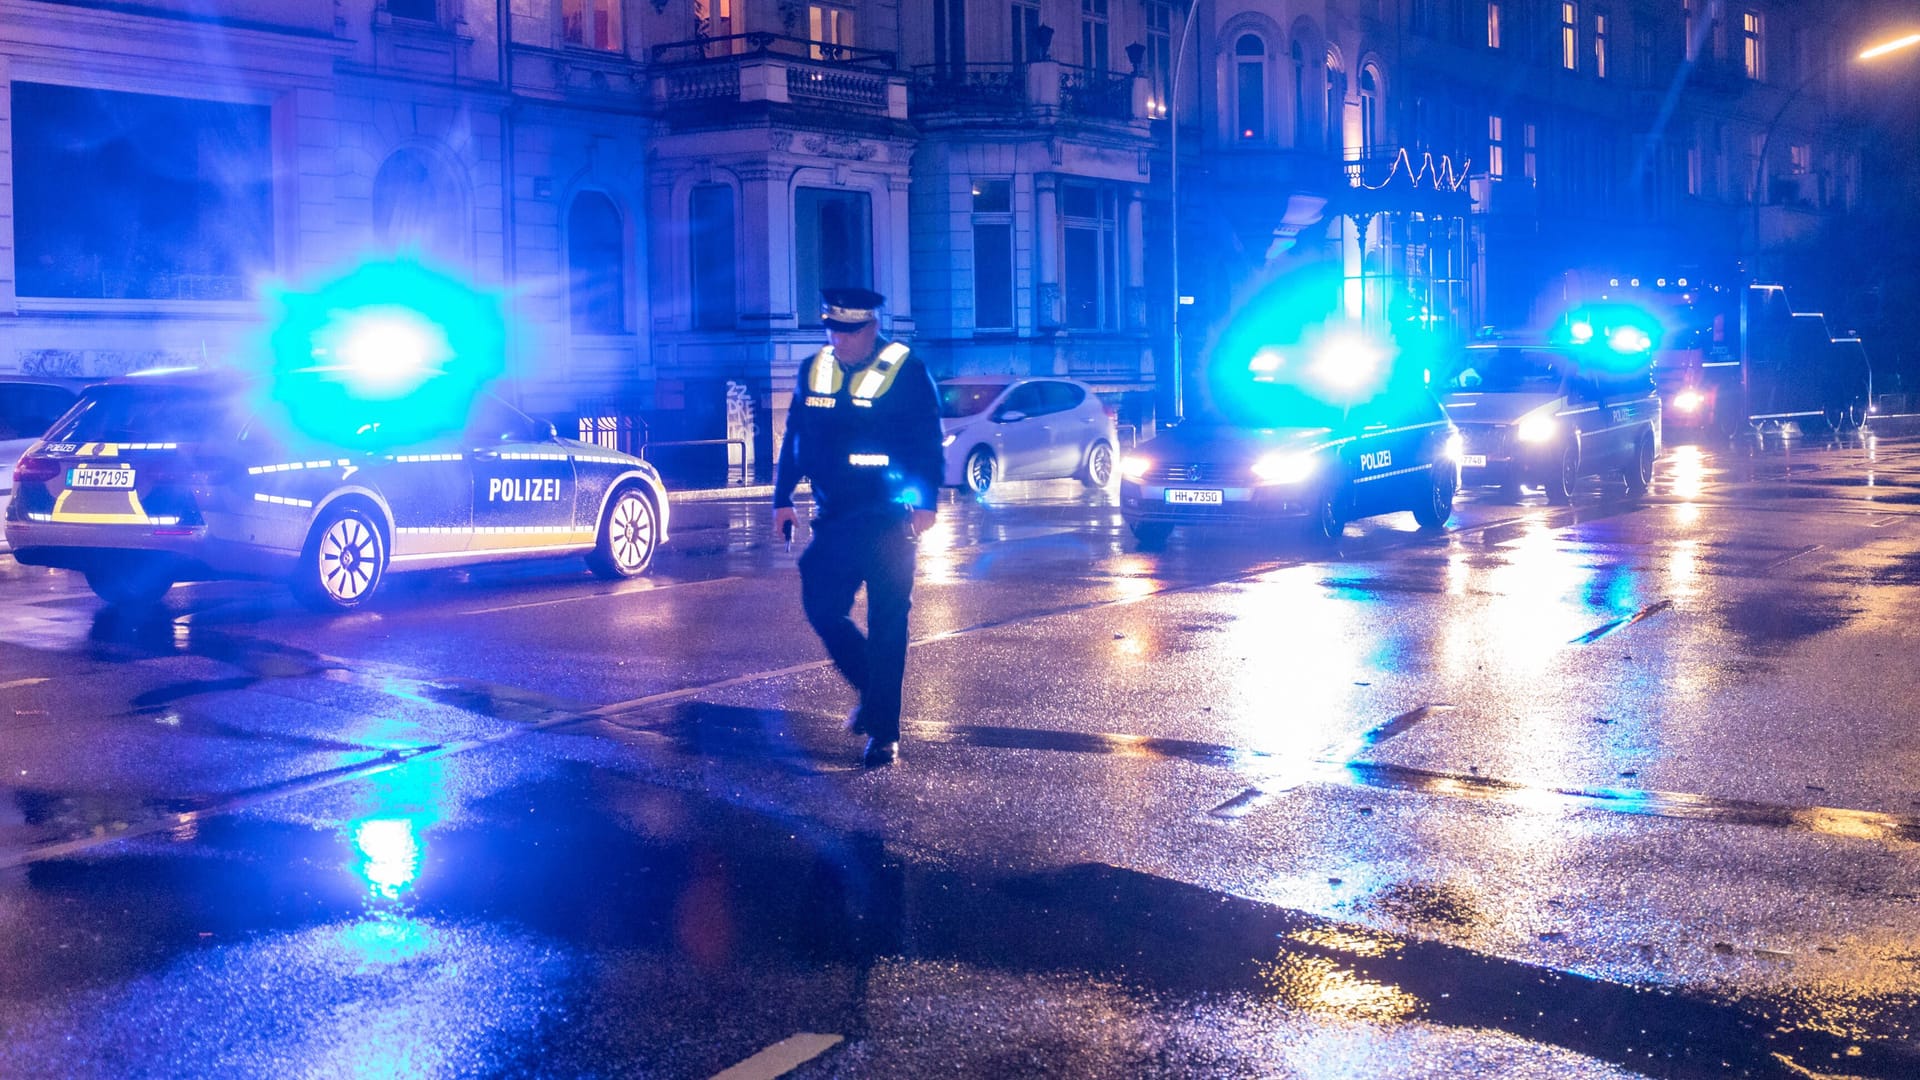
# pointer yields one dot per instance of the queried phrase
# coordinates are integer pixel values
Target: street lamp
(1173, 205)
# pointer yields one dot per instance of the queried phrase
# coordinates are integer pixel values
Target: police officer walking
(865, 428)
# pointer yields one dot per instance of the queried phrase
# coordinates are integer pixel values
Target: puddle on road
(622, 877)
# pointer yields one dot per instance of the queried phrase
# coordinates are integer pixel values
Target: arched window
(1369, 108)
(1336, 103)
(596, 265)
(1299, 57)
(417, 209)
(1250, 87)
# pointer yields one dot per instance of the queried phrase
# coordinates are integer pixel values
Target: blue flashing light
(1629, 339)
(1581, 332)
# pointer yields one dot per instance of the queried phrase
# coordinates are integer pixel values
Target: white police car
(178, 476)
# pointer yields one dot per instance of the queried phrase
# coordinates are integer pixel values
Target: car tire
(978, 475)
(135, 585)
(1565, 477)
(343, 562)
(1327, 522)
(1152, 535)
(1639, 472)
(1097, 470)
(1442, 485)
(629, 534)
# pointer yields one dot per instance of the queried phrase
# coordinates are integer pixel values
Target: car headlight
(1538, 429)
(1455, 447)
(1283, 468)
(948, 441)
(1689, 400)
(1133, 466)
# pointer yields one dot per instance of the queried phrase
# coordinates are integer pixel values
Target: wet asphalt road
(1627, 788)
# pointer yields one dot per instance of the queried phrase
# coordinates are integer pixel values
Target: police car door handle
(491, 455)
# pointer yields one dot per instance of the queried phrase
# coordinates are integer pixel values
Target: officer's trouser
(844, 553)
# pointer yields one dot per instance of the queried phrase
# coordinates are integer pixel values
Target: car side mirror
(1008, 416)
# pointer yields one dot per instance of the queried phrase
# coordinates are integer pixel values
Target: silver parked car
(1004, 427)
(29, 404)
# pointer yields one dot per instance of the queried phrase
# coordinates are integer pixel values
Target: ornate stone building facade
(658, 188)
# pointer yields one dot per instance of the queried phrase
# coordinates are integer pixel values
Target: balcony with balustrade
(724, 81)
(1040, 93)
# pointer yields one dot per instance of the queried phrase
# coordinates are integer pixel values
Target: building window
(1570, 35)
(950, 35)
(1090, 224)
(418, 10)
(1755, 174)
(1159, 56)
(1026, 31)
(711, 240)
(1093, 34)
(1369, 108)
(418, 210)
(1496, 147)
(1601, 24)
(1493, 25)
(713, 18)
(993, 255)
(1250, 83)
(596, 259)
(1529, 151)
(1696, 168)
(1800, 156)
(592, 23)
(1643, 55)
(1695, 33)
(1753, 45)
(832, 245)
(1336, 103)
(830, 29)
(136, 197)
(1300, 129)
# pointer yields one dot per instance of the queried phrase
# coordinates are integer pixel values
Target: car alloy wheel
(1566, 476)
(979, 470)
(343, 563)
(1098, 472)
(629, 533)
(1326, 524)
(138, 585)
(1438, 507)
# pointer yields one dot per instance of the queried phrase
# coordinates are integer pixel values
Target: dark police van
(1551, 414)
(186, 475)
(1309, 451)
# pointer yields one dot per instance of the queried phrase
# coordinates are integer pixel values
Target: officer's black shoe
(879, 754)
(854, 725)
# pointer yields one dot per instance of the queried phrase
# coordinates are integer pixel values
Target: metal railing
(741, 466)
(1096, 93)
(737, 46)
(982, 87)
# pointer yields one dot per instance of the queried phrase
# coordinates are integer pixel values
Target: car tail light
(33, 470)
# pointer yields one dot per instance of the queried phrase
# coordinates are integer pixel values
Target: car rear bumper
(190, 553)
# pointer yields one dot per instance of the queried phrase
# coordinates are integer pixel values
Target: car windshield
(1275, 405)
(1509, 371)
(154, 413)
(967, 399)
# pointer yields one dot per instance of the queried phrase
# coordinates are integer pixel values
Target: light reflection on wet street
(1622, 788)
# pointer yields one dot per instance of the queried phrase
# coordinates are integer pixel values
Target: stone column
(1046, 253)
(1136, 290)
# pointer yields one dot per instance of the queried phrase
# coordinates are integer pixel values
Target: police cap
(849, 308)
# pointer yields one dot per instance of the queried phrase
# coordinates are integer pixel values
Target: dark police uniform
(869, 439)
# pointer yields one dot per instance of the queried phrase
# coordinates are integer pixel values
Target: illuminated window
(1159, 55)
(1250, 83)
(1801, 156)
(592, 23)
(713, 18)
(1093, 34)
(1496, 147)
(1600, 27)
(1570, 36)
(1753, 46)
(829, 26)
(1493, 25)
(1336, 102)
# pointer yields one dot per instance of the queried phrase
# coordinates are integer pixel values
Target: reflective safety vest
(824, 376)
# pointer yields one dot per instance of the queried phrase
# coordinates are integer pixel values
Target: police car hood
(578, 447)
(1208, 442)
(1474, 407)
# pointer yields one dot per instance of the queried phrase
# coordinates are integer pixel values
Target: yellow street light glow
(1886, 47)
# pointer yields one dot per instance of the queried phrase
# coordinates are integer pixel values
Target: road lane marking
(596, 596)
(17, 683)
(782, 1057)
(1603, 630)
(1775, 563)
(1240, 805)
